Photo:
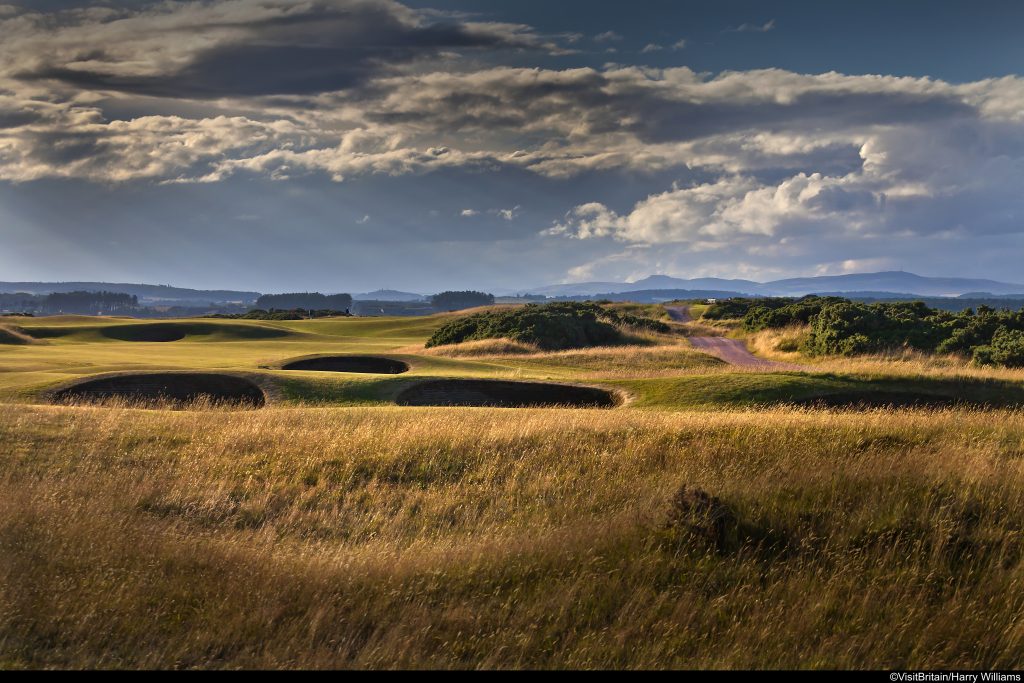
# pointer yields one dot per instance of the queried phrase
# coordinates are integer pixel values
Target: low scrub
(561, 325)
(841, 327)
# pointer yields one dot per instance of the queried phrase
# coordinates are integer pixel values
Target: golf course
(333, 492)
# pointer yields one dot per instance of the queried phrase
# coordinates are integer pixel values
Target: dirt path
(733, 351)
(679, 314)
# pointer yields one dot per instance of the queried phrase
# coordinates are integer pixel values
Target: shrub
(560, 325)
(702, 519)
(1007, 348)
(778, 313)
(736, 307)
(848, 328)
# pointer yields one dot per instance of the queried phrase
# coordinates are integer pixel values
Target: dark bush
(777, 313)
(1007, 348)
(702, 519)
(560, 325)
(737, 307)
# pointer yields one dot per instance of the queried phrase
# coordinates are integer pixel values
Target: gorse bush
(777, 313)
(560, 325)
(737, 307)
(1007, 348)
(842, 327)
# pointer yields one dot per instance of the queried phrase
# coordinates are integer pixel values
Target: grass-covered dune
(413, 537)
(750, 389)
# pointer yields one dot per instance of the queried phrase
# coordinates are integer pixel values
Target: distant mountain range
(892, 284)
(388, 295)
(880, 284)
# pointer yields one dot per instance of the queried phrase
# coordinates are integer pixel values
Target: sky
(351, 145)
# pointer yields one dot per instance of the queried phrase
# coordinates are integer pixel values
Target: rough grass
(400, 537)
(779, 344)
(479, 347)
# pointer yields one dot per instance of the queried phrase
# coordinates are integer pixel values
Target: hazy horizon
(355, 145)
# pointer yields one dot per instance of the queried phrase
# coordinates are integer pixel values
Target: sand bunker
(368, 364)
(171, 332)
(504, 394)
(166, 387)
(154, 332)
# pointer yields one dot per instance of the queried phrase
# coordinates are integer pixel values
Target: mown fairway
(333, 528)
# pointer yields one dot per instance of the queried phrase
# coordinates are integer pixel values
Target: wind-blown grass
(402, 537)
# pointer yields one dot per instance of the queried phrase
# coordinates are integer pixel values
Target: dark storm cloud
(299, 49)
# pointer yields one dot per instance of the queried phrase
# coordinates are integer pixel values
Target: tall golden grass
(400, 537)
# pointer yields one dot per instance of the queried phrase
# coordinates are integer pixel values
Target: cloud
(572, 121)
(506, 214)
(754, 28)
(241, 47)
(607, 37)
(652, 47)
(679, 44)
(775, 161)
(364, 220)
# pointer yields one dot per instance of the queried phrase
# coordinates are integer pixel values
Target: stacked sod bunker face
(504, 394)
(377, 365)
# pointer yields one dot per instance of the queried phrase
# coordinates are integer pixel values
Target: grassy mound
(174, 388)
(14, 336)
(555, 326)
(366, 364)
(158, 331)
(503, 394)
(741, 390)
(484, 347)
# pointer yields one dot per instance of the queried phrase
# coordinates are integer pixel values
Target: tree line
(87, 303)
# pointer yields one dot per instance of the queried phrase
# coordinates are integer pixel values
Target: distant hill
(892, 281)
(651, 283)
(388, 295)
(884, 284)
(148, 294)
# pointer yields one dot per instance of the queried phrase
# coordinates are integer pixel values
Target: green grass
(673, 377)
(749, 389)
(697, 310)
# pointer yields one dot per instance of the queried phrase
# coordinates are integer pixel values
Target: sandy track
(679, 314)
(733, 351)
